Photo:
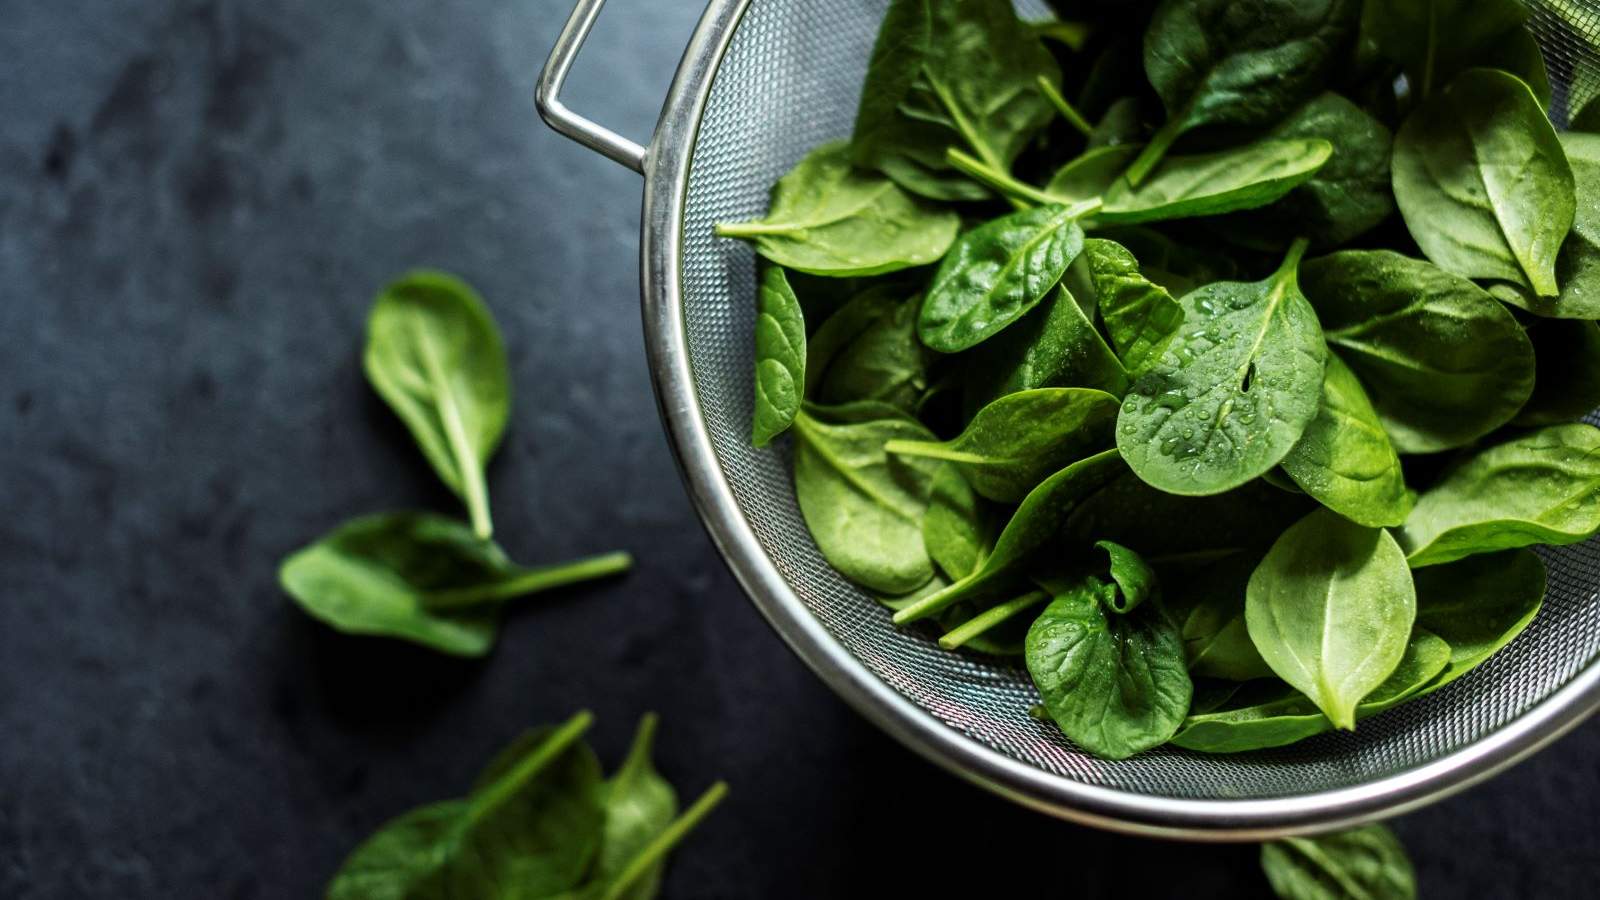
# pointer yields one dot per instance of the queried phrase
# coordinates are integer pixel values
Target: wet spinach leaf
(829, 218)
(780, 356)
(1140, 316)
(435, 356)
(1055, 345)
(1364, 862)
(1345, 460)
(1542, 487)
(1578, 263)
(1132, 579)
(1330, 608)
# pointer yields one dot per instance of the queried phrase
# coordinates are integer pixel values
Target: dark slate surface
(197, 200)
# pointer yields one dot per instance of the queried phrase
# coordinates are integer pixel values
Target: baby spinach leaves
(1478, 605)
(1435, 39)
(1238, 387)
(422, 578)
(868, 350)
(1330, 608)
(539, 823)
(435, 356)
(780, 357)
(1141, 317)
(1055, 345)
(1215, 183)
(1363, 862)
(1483, 184)
(1538, 488)
(1345, 460)
(830, 218)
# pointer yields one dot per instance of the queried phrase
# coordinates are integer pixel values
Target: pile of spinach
(540, 822)
(435, 356)
(1219, 360)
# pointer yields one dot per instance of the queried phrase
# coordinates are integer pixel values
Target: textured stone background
(197, 200)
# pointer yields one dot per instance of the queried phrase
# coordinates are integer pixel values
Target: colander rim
(666, 171)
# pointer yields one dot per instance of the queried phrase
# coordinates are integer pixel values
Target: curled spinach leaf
(1237, 388)
(780, 357)
(830, 218)
(1140, 316)
(1538, 488)
(1133, 580)
(1330, 607)
(1020, 439)
(1363, 862)
(1345, 460)
(435, 356)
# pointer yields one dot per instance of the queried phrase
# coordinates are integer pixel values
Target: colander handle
(547, 96)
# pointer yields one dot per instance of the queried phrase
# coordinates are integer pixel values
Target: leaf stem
(1154, 152)
(1065, 108)
(506, 786)
(990, 618)
(751, 229)
(665, 841)
(1291, 260)
(934, 602)
(531, 581)
(994, 178)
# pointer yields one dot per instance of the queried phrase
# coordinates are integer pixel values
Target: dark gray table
(197, 200)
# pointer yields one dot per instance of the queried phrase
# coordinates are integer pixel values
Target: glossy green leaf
(639, 806)
(435, 356)
(1345, 460)
(1207, 602)
(1234, 393)
(1141, 317)
(1436, 39)
(1482, 182)
(1211, 184)
(1542, 487)
(1442, 361)
(422, 578)
(1330, 608)
(1017, 441)
(1055, 345)
(933, 83)
(1162, 525)
(1091, 175)
(869, 351)
(1367, 862)
(1133, 579)
(958, 529)
(780, 356)
(996, 272)
(829, 218)
(864, 507)
(1115, 684)
(1578, 263)
(1478, 605)
(1566, 384)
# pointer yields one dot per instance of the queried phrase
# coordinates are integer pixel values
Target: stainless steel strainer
(761, 83)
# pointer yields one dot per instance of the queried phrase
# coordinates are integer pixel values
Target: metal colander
(761, 83)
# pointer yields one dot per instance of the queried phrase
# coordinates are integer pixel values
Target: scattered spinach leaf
(1366, 862)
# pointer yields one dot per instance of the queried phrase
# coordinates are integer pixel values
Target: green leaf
(1482, 182)
(1578, 263)
(780, 356)
(1566, 383)
(1443, 363)
(1234, 393)
(863, 507)
(1162, 525)
(421, 578)
(1133, 579)
(932, 84)
(1055, 345)
(1115, 684)
(639, 805)
(1211, 184)
(1033, 528)
(1091, 175)
(1478, 605)
(1367, 862)
(1140, 316)
(1017, 441)
(996, 272)
(435, 356)
(829, 218)
(1214, 63)
(534, 831)
(958, 529)
(1345, 460)
(1542, 487)
(1208, 604)
(1436, 39)
(1330, 608)
(869, 351)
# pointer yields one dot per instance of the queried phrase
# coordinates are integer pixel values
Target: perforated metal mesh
(791, 80)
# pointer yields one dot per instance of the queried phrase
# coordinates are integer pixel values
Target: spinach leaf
(1330, 607)
(1234, 393)
(1178, 267)
(871, 353)
(1033, 527)
(1344, 199)
(1055, 345)
(1220, 62)
(1090, 175)
(1482, 183)
(435, 356)
(1444, 363)
(958, 529)
(1478, 605)
(1114, 683)
(1141, 317)
(1566, 383)
(780, 357)
(1208, 605)
(1214, 183)
(1162, 525)
(1132, 578)
(863, 507)
(1537, 488)
(1344, 460)
(842, 329)
(532, 831)
(1364, 862)
(829, 218)
(1436, 39)
(934, 82)
(639, 805)
(421, 578)
(1020, 439)
(996, 272)
(1578, 263)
